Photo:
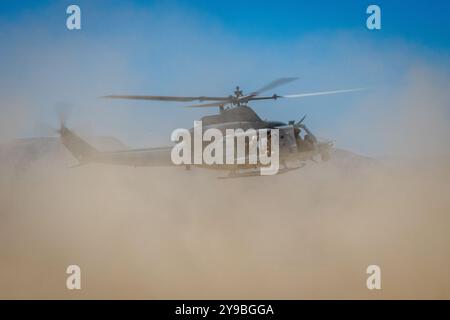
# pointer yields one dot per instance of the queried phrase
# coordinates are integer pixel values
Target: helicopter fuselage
(292, 146)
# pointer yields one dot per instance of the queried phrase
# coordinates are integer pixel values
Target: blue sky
(208, 47)
(425, 22)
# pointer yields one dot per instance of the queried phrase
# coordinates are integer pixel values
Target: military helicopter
(296, 141)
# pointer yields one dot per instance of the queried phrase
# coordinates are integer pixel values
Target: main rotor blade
(276, 83)
(166, 98)
(321, 93)
(205, 105)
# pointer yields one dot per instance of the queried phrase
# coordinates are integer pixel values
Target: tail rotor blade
(42, 129)
(63, 111)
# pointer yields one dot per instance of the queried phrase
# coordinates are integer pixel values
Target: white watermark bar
(238, 147)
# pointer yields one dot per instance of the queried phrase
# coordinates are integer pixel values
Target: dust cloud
(176, 234)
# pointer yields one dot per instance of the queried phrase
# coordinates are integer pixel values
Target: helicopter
(296, 142)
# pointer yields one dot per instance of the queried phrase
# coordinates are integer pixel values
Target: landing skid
(256, 173)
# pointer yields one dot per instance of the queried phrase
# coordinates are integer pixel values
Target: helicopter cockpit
(304, 139)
